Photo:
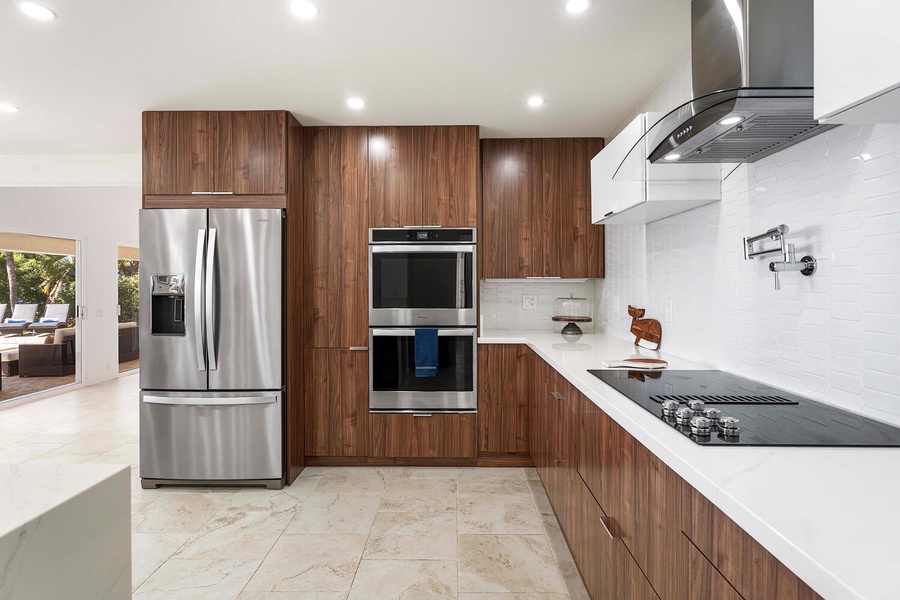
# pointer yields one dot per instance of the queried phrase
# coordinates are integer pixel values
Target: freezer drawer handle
(237, 400)
(198, 300)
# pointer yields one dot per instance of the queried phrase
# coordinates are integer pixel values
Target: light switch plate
(529, 302)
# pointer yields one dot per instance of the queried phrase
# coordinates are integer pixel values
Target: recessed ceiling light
(356, 103)
(671, 157)
(36, 11)
(536, 102)
(303, 9)
(8, 108)
(731, 120)
(576, 7)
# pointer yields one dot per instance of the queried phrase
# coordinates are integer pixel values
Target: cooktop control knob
(729, 426)
(669, 407)
(700, 426)
(712, 414)
(683, 416)
(696, 405)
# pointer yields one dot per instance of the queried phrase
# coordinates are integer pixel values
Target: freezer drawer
(211, 435)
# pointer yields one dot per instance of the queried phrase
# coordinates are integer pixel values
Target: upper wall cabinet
(536, 209)
(857, 74)
(205, 152)
(423, 176)
(643, 193)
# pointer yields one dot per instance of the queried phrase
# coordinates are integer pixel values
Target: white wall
(834, 336)
(104, 217)
(41, 170)
(501, 303)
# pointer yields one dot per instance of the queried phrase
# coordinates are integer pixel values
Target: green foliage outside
(40, 279)
(129, 287)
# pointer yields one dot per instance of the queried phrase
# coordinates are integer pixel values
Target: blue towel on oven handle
(426, 352)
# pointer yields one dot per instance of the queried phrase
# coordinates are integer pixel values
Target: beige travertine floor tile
(24, 451)
(245, 595)
(572, 580)
(531, 474)
(178, 512)
(424, 473)
(335, 513)
(310, 472)
(197, 579)
(541, 501)
(126, 454)
(405, 580)
(246, 529)
(8, 439)
(413, 536)
(310, 562)
(149, 551)
(484, 480)
(419, 495)
(353, 480)
(507, 563)
(498, 513)
(302, 487)
(557, 541)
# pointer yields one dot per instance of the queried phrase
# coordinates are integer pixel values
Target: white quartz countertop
(829, 514)
(29, 490)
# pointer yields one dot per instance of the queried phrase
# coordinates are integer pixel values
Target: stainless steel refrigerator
(212, 346)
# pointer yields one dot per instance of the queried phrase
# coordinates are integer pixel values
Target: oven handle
(383, 249)
(465, 331)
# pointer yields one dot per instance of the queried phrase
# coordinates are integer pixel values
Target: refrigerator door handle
(210, 300)
(235, 401)
(198, 300)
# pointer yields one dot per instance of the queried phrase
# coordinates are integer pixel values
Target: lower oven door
(394, 387)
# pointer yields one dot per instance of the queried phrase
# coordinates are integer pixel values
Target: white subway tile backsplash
(834, 336)
(501, 303)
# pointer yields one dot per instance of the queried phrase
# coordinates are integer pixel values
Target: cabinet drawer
(413, 436)
(704, 581)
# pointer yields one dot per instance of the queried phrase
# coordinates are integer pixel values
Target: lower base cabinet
(636, 530)
(402, 435)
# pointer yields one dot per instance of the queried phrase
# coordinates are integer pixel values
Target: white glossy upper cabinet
(857, 61)
(641, 192)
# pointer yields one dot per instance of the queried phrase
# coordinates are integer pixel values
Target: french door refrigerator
(212, 346)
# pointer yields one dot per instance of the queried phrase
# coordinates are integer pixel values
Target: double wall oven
(422, 278)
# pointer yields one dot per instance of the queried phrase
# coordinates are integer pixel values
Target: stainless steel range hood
(752, 72)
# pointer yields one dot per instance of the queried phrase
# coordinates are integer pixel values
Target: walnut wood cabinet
(209, 158)
(336, 400)
(536, 209)
(423, 176)
(335, 258)
(635, 528)
(504, 388)
(407, 435)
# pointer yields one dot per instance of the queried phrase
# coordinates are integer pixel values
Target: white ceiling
(82, 80)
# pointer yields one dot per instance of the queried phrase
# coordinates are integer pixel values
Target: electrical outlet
(529, 302)
(670, 310)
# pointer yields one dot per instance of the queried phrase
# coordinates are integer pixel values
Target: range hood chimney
(752, 65)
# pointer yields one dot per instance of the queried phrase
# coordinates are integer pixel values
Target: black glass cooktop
(768, 416)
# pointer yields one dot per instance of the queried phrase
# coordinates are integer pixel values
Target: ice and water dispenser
(167, 306)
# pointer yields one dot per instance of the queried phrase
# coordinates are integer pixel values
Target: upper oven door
(422, 285)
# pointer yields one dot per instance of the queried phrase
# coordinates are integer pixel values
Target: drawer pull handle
(556, 395)
(607, 526)
(554, 456)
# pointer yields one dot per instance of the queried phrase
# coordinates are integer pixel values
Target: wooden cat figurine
(649, 330)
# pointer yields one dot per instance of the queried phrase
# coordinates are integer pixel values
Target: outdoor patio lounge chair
(55, 316)
(22, 317)
(54, 358)
(2, 312)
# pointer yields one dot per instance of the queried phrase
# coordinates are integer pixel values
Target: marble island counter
(65, 531)
(828, 514)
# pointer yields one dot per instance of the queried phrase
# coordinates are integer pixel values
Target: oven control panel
(424, 235)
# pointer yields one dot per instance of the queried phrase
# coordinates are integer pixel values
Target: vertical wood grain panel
(221, 145)
(336, 402)
(553, 207)
(395, 177)
(335, 195)
(167, 150)
(449, 175)
(202, 158)
(294, 285)
(503, 395)
(258, 152)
